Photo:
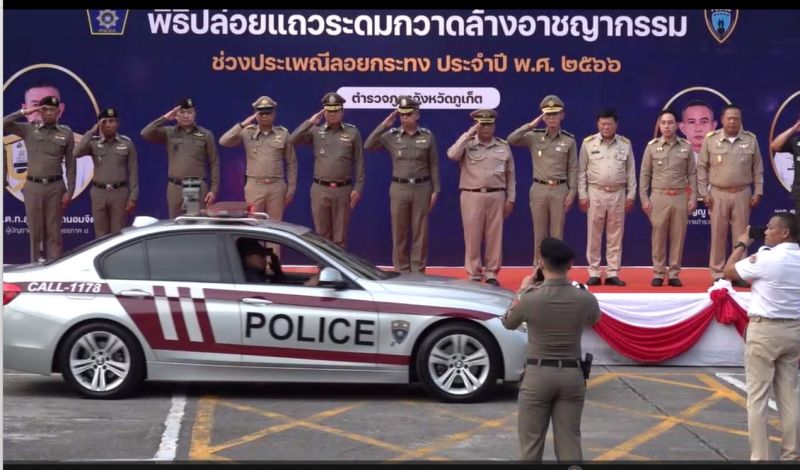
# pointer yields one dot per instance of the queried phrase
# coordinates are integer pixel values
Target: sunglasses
(265, 113)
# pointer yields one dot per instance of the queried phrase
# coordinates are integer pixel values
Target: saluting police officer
(415, 182)
(730, 161)
(189, 149)
(49, 144)
(487, 185)
(338, 155)
(669, 164)
(607, 190)
(555, 170)
(553, 386)
(268, 152)
(789, 141)
(115, 186)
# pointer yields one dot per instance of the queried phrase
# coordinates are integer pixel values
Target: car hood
(467, 294)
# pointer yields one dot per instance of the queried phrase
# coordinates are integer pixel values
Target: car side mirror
(331, 278)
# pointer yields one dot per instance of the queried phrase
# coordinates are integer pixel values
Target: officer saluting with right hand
(554, 386)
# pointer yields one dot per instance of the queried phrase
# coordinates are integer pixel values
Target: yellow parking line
(632, 456)
(452, 439)
(200, 442)
(669, 382)
(657, 430)
(601, 379)
(444, 411)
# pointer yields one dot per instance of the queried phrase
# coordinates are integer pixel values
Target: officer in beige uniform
(730, 161)
(267, 150)
(189, 149)
(115, 187)
(553, 386)
(668, 168)
(487, 187)
(338, 160)
(415, 182)
(49, 144)
(555, 170)
(607, 190)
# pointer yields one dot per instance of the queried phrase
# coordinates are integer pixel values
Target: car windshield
(79, 248)
(355, 263)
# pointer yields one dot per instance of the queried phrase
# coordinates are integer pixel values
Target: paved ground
(632, 413)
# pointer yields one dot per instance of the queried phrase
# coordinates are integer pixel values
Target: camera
(757, 232)
(191, 195)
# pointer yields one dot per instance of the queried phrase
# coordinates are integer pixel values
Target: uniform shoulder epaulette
(95, 137)
(281, 128)
(347, 124)
(712, 133)
(587, 139)
(748, 133)
(568, 134)
(250, 126)
(684, 141)
(394, 130)
(64, 127)
(425, 130)
(653, 141)
(124, 137)
(501, 140)
(624, 139)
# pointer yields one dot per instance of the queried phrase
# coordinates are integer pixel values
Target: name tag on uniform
(595, 151)
(199, 134)
(684, 150)
(121, 147)
(421, 141)
(344, 138)
(60, 137)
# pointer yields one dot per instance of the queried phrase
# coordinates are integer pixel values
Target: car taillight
(10, 292)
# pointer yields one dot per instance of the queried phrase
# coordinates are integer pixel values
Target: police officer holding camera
(189, 149)
(553, 386)
(772, 339)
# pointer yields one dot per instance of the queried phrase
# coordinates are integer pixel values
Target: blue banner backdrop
(144, 61)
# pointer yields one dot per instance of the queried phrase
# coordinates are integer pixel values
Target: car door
(166, 283)
(300, 328)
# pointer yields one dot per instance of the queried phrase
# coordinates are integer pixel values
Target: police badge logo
(399, 331)
(107, 22)
(721, 23)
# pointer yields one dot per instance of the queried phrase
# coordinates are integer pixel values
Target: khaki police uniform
(555, 174)
(188, 153)
(553, 386)
(607, 177)
(487, 183)
(338, 160)
(415, 176)
(729, 168)
(116, 177)
(269, 156)
(48, 145)
(668, 168)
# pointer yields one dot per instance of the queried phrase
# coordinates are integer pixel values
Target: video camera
(191, 195)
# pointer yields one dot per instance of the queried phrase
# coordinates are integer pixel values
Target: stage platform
(671, 326)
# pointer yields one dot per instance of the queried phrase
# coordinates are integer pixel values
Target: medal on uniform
(719, 158)
(540, 153)
(322, 150)
(659, 148)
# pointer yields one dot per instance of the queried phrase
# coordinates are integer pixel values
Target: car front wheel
(101, 360)
(458, 363)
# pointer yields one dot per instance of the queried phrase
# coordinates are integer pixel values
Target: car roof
(204, 221)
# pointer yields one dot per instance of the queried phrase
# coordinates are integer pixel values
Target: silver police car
(172, 301)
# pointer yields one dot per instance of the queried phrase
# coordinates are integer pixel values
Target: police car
(168, 301)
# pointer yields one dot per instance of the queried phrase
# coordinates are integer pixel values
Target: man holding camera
(553, 385)
(189, 148)
(772, 339)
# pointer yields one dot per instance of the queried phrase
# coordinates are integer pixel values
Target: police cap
(186, 103)
(333, 101)
(264, 104)
(556, 250)
(250, 246)
(49, 101)
(484, 116)
(551, 104)
(407, 104)
(108, 113)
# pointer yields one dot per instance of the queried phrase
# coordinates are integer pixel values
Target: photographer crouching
(772, 338)
(554, 383)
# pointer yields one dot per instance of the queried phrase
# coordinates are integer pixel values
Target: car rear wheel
(101, 360)
(458, 363)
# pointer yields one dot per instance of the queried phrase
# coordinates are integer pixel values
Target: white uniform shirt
(775, 275)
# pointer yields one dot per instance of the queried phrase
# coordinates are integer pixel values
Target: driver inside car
(261, 264)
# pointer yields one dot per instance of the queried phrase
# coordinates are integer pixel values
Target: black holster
(586, 365)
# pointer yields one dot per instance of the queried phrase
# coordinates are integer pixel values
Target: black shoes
(593, 281)
(675, 282)
(614, 281)
(657, 282)
(493, 282)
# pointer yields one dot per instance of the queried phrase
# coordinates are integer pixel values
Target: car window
(128, 262)
(189, 257)
(355, 263)
(268, 262)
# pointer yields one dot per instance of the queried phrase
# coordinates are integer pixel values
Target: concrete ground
(631, 414)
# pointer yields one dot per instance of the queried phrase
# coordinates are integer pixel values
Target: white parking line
(172, 429)
(742, 386)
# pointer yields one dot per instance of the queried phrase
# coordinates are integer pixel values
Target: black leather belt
(483, 190)
(116, 185)
(411, 180)
(45, 180)
(549, 182)
(334, 184)
(179, 181)
(554, 362)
